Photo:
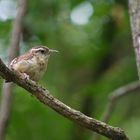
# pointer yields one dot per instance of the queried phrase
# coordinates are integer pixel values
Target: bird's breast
(42, 64)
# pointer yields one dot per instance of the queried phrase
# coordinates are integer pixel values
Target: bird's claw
(25, 76)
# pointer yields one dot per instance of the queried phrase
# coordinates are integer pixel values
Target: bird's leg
(27, 77)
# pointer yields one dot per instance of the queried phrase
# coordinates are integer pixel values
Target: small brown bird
(33, 63)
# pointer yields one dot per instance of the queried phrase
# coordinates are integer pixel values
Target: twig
(6, 101)
(114, 97)
(45, 97)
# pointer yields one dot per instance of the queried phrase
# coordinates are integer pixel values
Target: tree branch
(134, 11)
(17, 30)
(45, 97)
(6, 101)
(114, 97)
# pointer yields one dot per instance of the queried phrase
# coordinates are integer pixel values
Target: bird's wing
(25, 56)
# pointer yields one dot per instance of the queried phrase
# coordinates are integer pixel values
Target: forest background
(95, 58)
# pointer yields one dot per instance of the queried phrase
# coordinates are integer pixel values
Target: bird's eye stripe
(39, 49)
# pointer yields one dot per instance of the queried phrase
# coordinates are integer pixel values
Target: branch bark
(45, 97)
(6, 102)
(134, 11)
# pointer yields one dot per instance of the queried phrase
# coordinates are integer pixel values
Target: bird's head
(42, 52)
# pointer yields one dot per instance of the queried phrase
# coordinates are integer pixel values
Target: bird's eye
(42, 51)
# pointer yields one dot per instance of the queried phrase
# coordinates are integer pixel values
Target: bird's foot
(25, 76)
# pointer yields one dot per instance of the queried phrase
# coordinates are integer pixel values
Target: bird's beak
(52, 50)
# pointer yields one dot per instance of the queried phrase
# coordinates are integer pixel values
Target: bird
(32, 64)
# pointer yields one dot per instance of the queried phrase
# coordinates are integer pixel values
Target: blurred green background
(95, 57)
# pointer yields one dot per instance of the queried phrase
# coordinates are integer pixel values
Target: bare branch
(5, 108)
(134, 11)
(117, 94)
(45, 97)
(114, 97)
(17, 29)
(6, 101)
